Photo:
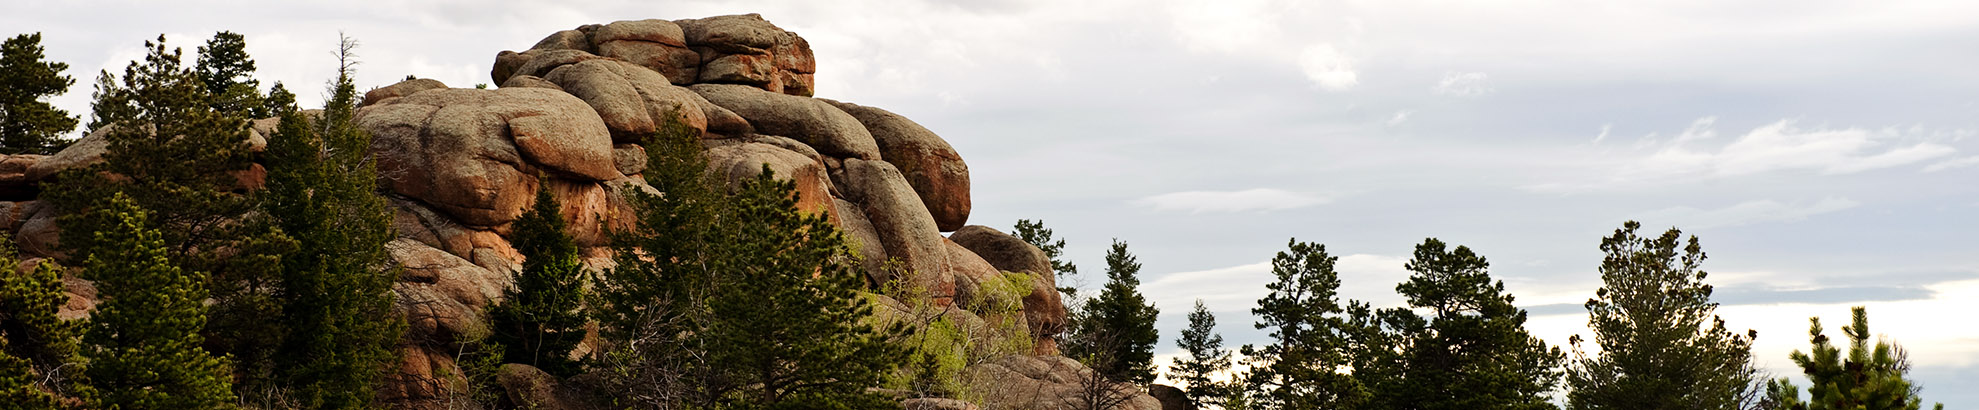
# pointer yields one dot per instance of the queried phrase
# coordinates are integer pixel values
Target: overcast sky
(1824, 151)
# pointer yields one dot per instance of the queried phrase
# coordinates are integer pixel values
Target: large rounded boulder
(475, 154)
(930, 164)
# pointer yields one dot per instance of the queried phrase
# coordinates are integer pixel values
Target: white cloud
(1605, 128)
(1236, 289)
(1260, 199)
(1953, 164)
(1463, 84)
(1400, 117)
(1328, 68)
(1745, 213)
(1781, 146)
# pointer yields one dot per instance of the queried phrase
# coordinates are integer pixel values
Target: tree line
(1461, 342)
(220, 291)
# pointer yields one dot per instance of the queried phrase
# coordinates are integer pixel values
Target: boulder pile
(461, 164)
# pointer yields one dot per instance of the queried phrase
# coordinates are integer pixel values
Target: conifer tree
(228, 73)
(1116, 336)
(29, 125)
(17, 384)
(784, 326)
(1472, 352)
(28, 325)
(655, 260)
(180, 160)
(1037, 235)
(1869, 378)
(1661, 345)
(1301, 368)
(142, 343)
(335, 286)
(1206, 357)
(538, 322)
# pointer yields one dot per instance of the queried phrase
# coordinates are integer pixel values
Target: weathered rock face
(816, 123)
(742, 49)
(1044, 311)
(459, 165)
(1171, 398)
(1053, 383)
(464, 150)
(932, 167)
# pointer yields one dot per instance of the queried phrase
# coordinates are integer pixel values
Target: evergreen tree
(1870, 378)
(735, 301)
(643, 305)
(1037, 235)
(228, 73)
(1472, 353)
(1116, 336)
(784, 325)
(29, 125)
(143, 342)
(28, 325)
(1650, 319)
(335, 286)
(538, 321)
(279, 100)
(17, 387)
(1302, 367)
(179, 160)
(1206, 357)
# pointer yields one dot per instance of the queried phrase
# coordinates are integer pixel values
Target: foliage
(943, 341)
(1206, 357)
(1116, 336)
(228, 73)
(1870, 378)
(1302, 367)
(28, 325)
(642, 304)
(17, 384)
(182, 162)
(539, 321)
(782, 325)
(1650, 320)
(1034, 233)
(142, 343)
(738, 301)
(29, 125)
(1472, 353)
(335, 287)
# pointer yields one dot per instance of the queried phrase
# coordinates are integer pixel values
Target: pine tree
(143, 342)
(538, 321)
(1870, 378)
(785, 324)
(1650, 318)
(1302, 367)
(1116, 334)
(29, 125)
(335, 286)
(1206, 357)
(181, 161)
(1472, 353)
(17, 387)
(644, 305)
(1037, 235)
(228, 73)
(28, 325)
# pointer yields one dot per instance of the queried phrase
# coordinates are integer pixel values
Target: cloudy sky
(1824, 151)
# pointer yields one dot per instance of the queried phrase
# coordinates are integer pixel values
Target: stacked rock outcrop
(460, 165)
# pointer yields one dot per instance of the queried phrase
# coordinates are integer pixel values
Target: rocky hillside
(460, 165)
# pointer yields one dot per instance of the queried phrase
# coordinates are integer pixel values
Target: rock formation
(460, 165)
